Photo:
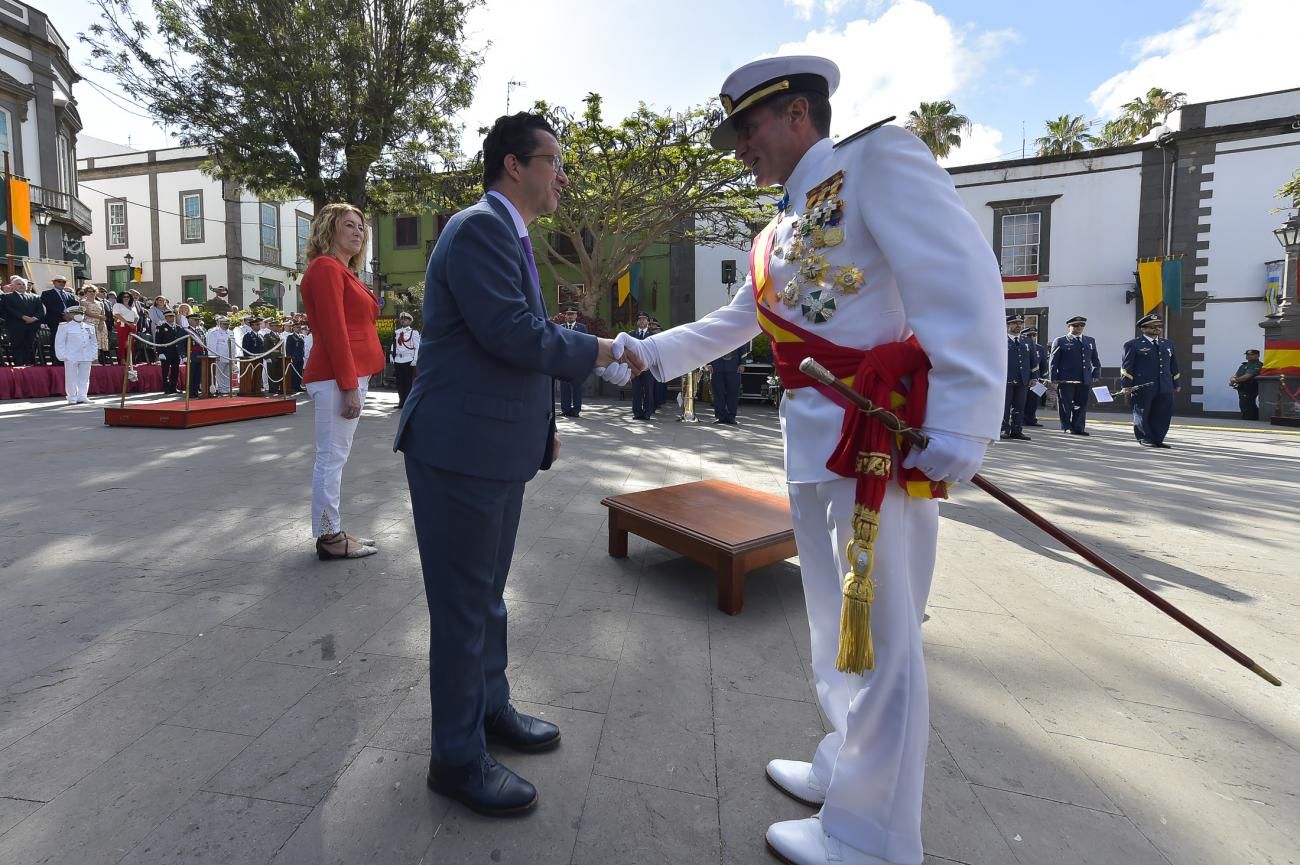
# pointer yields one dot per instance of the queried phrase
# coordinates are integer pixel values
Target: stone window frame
(181, 196)
(1041, 205)
(269, 254)
(108, 223)
(300, 239)
(415, 244)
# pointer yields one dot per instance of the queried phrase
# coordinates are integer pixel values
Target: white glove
(643, 350)
(949, 458)
(617, 374)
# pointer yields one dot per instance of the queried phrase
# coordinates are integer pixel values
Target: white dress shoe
(795, 779)
(803, 842)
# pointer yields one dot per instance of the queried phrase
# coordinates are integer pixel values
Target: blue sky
(1001, 62)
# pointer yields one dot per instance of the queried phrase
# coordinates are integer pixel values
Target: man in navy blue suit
(478, 424)
(1073, 367)
(571, 391)
(1022, 364)
(56, 299)
(1151, 377)
(643, 386)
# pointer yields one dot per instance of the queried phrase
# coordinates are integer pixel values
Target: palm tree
(938, 125)
(1116, 133)
(1065, 134)
(1147, 112)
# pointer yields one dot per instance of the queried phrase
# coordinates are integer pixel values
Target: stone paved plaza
(182, 681)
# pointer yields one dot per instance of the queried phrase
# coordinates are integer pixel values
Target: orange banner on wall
(20, 194)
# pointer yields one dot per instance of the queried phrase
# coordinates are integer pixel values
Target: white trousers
(333, 444)
(221, 376)
(873, 763)
(76, 380)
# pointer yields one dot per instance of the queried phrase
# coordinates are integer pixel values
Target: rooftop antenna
(510, 86)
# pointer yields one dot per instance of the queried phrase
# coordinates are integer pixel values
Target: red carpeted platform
(202, 412)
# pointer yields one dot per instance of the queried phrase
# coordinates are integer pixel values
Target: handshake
(621, 359)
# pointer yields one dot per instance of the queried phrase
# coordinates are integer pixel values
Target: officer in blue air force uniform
(1150, 372)
(1073, 367)
(1022, 366)
(1033, 400)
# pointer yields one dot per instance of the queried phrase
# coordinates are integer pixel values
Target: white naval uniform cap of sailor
(757, 82)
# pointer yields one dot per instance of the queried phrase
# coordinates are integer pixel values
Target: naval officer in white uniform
(872, 247)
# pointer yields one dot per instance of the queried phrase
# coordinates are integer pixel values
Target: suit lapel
(534, 296)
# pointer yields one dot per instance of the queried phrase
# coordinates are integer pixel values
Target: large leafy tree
(305, 97)
(1065, 134)
(649, 178)
(939, 125)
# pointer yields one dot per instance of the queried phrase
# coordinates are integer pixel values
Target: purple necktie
(527, 244)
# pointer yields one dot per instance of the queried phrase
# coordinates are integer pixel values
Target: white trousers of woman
(76, 380)
(333, 444)
(873, 763)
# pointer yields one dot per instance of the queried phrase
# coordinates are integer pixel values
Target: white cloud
(1225, 48)
(889, 64)
(981, 144)
(805, 8)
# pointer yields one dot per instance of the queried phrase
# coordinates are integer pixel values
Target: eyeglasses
(556, 160)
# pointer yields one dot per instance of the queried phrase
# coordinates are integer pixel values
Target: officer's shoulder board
(863, 132)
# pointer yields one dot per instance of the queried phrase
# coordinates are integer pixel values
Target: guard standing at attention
(571, 391)
(1021, 365)
(1246, 381)
(1073, 367)
(1033, 400)
(1150, 371)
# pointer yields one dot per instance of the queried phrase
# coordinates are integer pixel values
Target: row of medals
(815, 284)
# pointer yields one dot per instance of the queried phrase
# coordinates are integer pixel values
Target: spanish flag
(1019, 287)
(1281, 357)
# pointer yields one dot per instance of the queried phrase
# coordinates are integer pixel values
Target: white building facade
(39, 125)
(1204, 190)
(186, 233)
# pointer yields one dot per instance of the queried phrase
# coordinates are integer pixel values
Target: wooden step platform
(202, 412)
(730, 528)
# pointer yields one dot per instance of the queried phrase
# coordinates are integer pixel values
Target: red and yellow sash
(866, 448)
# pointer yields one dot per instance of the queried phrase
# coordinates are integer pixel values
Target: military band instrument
(815, 370)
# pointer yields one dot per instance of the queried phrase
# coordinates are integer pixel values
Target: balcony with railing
(63, 206)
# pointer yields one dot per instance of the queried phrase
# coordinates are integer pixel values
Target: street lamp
(1288, 236)
(41, 216)
(128, 258)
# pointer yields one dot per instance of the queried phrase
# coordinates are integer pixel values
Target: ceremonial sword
(815, 370)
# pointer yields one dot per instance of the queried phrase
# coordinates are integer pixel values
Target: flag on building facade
(1019, 287)
(1171, 283)
(1150, 281)
(630, 283)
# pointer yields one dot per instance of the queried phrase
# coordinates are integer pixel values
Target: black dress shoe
(521, 732)
(484, 786)
(1079, 432)
(1145, 443)
(1020, 437)
(1161, 445)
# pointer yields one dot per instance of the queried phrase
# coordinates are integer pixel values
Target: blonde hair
(325, 224)
(184, 309)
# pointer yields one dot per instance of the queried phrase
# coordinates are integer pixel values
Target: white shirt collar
(520, 228)
(801, 178)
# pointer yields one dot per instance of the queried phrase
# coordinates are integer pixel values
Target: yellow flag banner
(1150, 282)
(624, 287)
(20, 194)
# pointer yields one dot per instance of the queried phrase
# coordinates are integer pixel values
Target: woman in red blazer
(345, 354)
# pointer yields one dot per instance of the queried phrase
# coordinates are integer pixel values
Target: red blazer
(342, 313)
